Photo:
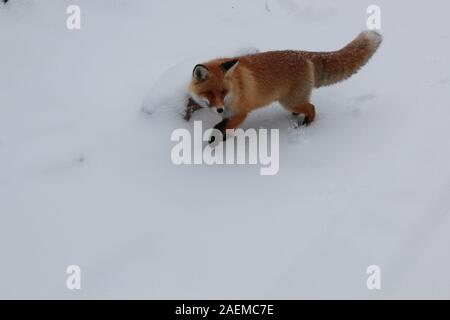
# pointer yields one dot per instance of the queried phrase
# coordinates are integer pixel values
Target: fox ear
(229, 66)
(200, 72)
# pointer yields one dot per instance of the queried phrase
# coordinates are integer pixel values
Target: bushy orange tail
(333, 67)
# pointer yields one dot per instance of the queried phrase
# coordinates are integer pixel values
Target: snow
(86, 176)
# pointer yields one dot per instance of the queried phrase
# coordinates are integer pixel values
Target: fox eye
(209, 94)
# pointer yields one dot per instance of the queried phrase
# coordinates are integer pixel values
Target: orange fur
(288, 77)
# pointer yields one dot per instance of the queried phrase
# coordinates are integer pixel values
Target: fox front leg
(222, 127)
(228, 123)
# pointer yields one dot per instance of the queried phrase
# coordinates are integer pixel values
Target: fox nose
(219, 110)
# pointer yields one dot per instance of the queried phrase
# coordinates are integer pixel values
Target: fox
(234, 87)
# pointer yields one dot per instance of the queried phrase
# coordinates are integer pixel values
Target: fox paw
(299, 120)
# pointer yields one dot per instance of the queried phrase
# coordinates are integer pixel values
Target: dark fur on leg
(222, 127)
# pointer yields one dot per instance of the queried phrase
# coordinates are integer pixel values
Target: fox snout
(206, 103)
(218, 110)
(212, 102)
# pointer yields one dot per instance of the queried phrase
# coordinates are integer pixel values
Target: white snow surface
(86, 177)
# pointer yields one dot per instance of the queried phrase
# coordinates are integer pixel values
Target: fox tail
(336, 66)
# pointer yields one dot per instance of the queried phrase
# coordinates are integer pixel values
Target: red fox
(233, 87)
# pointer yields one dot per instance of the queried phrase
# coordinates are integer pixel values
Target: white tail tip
(373, 36)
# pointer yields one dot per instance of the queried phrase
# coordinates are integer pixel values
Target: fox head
(211, 84)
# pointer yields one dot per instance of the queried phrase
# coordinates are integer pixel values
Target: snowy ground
(86, 177)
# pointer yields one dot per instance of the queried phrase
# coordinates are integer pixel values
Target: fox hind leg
(297, 99)
(301, 108)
